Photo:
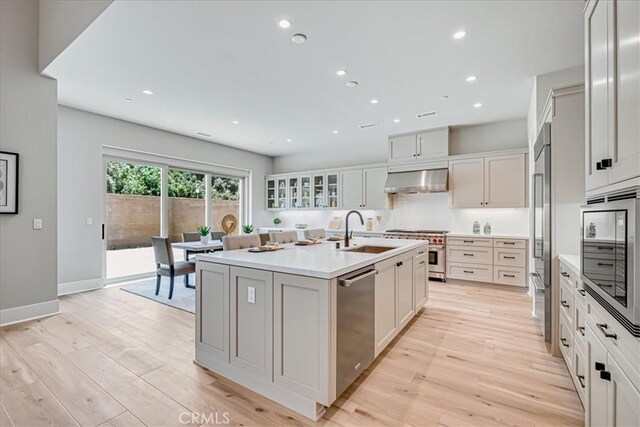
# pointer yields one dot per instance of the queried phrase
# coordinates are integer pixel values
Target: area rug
(183, 298)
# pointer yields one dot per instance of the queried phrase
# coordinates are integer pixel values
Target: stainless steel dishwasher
(356, 339)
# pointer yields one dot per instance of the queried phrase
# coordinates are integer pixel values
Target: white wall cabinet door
(504, 181)
(466, 183)
(351, 183)
(402, 147)
(386, 325)
(333, 190)
(404, 286)
(271, 204)
(626, 150)
(319, 186)
(251, 323)
(434, 143)
(597, 95)
(374, 195)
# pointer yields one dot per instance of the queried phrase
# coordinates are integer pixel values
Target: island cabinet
(212, 311)
(386, 323)
(420, 279)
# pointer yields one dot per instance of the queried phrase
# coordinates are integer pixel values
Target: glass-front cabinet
(305, 192)
(319, 192)
(282, 193)
(271, 194)
(294, 192)
(316, 191)
(333, 190)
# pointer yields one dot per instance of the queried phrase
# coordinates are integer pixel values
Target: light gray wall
(81, 136)
(61, 22)
(503, 135)
(557, 79)
(495, 136)
(28, 261)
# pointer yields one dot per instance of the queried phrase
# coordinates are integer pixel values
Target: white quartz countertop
(572, 259)
(491, 236)
(322, 261)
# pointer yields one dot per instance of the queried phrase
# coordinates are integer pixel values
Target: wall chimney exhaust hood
(422, 181)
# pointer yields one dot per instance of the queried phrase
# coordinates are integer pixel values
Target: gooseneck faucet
(346, 220)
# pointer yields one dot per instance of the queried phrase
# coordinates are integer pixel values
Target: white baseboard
(10, 316)
(79, 286)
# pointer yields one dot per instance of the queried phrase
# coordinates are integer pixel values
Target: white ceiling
(209, 63)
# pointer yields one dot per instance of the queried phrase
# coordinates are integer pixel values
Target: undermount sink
(369, 249)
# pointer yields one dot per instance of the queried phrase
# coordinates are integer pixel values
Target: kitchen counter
(572, 260)
(322, 260)
(491, 236)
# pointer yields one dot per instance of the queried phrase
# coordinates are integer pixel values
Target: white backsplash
(421, 211)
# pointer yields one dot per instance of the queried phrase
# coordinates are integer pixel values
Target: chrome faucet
(346, 220)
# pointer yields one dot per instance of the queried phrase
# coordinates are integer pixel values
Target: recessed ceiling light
(147, 92)
(235, 122)
(352, 83)
(289, 140)
(444, 97)
(284, 23)
(460, 34)
(374, 101)
(477, 105)
(472, 78)
(335, 131)
(396, 120)
(341, 73)
(298, 38)
(128, 100)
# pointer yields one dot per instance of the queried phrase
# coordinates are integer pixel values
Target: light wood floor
(473, 357)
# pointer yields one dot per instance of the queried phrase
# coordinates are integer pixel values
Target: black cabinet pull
(509, 257)
(603, 327)
(564, 342)
(467, 271)
(508, 243)
(605, 375)
(603, 248)
(102, 231)
(467, 254)
(467, 241)
(564, 304)
(581, 380)
(604, 264)
(581, 329)
(607, 163)
(399, 264)
(564, 274)
(582, 292)
(599, 166)
(509, 275)
(599, 366)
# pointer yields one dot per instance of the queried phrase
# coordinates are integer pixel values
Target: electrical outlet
(37, 224)
(89, 220)
(251, 295)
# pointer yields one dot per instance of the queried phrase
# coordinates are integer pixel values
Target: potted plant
(247, 229)
(205, 234)
(277, 222)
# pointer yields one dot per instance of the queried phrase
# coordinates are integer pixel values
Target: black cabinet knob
(599, 166)
(605, 375)
(599, 366)
(607, 163)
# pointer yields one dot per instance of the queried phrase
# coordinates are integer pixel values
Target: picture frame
(9, 176)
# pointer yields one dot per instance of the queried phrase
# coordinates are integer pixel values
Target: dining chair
(230, 243)
(264, 238)
(166, 266)
(284, 236)
(217, 235)
(315, 233)
(191, 237)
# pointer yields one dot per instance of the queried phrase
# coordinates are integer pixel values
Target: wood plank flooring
(474, 357)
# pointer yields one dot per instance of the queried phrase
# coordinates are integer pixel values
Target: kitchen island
(275, 322)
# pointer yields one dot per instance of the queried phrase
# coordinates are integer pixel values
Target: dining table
(195, 248)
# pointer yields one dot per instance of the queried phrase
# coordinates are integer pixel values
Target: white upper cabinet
(419, 147)
(363, 188)
(374, 195)
(351, 189)
(504, 181)
(402, 147)
(612, 73)
(466, 183)
(488, 182)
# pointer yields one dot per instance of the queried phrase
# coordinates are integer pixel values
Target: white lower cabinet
(386, 323)
(404, 285)
(597, 389)
(420, 279)
(212, 310)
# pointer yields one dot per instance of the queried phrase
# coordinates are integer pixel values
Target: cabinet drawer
(509, 276)
(566, 302)
(509, 257)
(470, 255)
(510, 243)
(479, 273)
(580, 325)
(470, 241)
(578, 373)
(566, 343)
(579, 294)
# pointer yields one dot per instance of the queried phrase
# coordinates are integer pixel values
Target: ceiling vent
(368, 125)
(427, 114)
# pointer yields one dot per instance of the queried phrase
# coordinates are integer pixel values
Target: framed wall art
(8, 183)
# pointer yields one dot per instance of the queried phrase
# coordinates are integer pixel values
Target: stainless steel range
(436, 238)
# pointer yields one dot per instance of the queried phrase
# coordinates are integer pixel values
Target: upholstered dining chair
(230, 243)
(264, 238)
(284, 236)
(191, 237)
(315, 233)
(167, 267)
(217, 235)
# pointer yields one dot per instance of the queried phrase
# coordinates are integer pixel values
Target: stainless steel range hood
(423, 181)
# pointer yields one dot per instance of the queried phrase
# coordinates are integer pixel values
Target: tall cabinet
(612, 75)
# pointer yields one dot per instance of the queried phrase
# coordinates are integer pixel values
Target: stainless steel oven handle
(348, 282)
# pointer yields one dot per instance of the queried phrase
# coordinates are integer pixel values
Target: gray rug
(183, 298)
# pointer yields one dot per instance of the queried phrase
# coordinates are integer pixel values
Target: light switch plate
(37, 224)
(89, 220)
(251, 295)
